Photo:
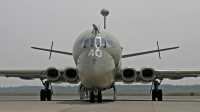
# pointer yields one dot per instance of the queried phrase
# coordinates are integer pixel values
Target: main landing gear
(156, 93)
(46, 93)
(83, 92)
(115, 92)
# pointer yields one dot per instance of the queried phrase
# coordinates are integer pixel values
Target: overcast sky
(138, 24)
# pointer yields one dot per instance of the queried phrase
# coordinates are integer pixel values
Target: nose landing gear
(98, 95)
(92, 96)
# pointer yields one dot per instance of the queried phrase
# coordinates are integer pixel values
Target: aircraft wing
(56, 51)
(24, 74)
(147, 52)
(177, 74)
(52, 74)
(149, 74)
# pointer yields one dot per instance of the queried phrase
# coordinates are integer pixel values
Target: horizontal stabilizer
(60, 52)
(148, 52)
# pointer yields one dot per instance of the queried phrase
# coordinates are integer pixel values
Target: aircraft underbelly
(96, 76)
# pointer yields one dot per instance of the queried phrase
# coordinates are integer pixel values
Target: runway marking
(66, 109)
(153, 106)
(73, 107)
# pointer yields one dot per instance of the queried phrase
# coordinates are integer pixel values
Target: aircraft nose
(96, 71)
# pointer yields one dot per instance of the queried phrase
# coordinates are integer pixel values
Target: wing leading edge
(148, 52)
(56, 51)
(24, 74)
(177, 74)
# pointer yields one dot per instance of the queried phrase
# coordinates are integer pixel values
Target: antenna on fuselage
(105, 13)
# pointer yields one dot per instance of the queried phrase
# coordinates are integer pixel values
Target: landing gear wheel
(92, 97)
(42, 95)
(99, 97)
(48, 94)
(153, 95)
(114, 97)
(160, 95)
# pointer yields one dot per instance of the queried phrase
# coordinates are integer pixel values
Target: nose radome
(96, 71)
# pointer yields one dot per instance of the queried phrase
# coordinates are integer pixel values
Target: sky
(138, 25)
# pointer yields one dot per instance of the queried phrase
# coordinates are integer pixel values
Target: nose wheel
(98, 96)
(92, 96)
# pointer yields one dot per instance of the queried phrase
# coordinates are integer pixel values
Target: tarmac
(121, 104)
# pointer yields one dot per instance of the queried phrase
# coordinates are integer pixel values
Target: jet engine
(128, 75)
(71, 75)
(148, 74)
(52, 74)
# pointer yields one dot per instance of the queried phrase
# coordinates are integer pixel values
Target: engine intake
(148, 74)
(129, 74)
(52, 74)
(71, 75)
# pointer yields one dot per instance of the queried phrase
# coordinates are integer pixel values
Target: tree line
(120, 89)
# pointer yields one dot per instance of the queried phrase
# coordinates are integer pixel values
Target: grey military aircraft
(97, 55)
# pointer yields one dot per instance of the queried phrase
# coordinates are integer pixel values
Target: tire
(42, 95)
(160, 95)
(99, 97)
(154, 95)
(48, 95)
(92, 97)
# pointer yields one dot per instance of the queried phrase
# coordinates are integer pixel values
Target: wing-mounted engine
(148, 74)
(128, 75)
(71, 75)
(53, 74)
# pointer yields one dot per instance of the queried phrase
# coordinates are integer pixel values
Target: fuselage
(98, 57)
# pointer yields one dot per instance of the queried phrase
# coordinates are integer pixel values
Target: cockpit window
(105, 42)
(107, 38)
(110, 43)
(98, 42)
(91, 42)
(86, 44)
(81, 43)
